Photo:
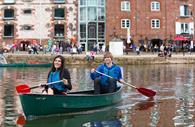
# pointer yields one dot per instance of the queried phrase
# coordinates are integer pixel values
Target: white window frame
(188, 27)
(155, 6)
(125, 6)
(155, 23)
(9, 1)
(59, 1)
(8, 17)
(184, 10)
(125, 23)
(185, 28)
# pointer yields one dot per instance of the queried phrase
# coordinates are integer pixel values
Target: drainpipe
(40, 40)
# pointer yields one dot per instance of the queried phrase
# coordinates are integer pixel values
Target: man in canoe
(58, 72)
(106, 75)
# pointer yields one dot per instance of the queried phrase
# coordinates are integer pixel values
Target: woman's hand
(65, 81)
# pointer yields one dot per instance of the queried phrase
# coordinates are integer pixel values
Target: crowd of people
(163, 49)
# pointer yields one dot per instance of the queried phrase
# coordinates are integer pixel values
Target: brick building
(150, 19)
(94, 22)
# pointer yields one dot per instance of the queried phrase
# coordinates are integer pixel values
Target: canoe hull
(39, 105)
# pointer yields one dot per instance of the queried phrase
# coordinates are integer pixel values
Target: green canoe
(41, 105)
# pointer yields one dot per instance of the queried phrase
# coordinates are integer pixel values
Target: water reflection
(8, 110)
(185, 101)
(172, 106)
(99, 118)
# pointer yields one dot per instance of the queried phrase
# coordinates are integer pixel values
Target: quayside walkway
(132, 58)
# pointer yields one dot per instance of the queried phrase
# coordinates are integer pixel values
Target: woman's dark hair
(60, 69)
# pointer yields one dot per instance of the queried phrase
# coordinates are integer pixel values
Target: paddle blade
(146, 92)
(23, 89)
(20, 120)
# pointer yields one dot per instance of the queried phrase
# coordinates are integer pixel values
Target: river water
(173, 106)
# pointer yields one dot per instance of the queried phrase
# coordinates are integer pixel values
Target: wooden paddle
(26, 89)
(144, 91)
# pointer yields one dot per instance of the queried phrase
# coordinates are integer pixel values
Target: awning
(180, 38)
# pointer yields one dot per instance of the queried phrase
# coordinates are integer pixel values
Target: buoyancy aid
(111, 71)
(55, 76)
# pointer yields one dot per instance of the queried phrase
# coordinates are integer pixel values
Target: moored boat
(42, 104)
(26, 65)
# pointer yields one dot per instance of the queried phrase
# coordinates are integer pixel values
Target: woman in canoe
(59, 72)
(102, 83)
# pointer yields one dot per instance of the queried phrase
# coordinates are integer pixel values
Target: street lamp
(39, 20)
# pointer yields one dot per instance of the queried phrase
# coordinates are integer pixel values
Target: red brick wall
(113, 19)
(141, 15)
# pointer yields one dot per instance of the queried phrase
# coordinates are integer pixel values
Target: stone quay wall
(79, 59)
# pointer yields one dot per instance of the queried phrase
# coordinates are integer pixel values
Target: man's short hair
(108, 55)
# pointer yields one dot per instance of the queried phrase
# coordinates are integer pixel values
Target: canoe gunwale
(76, 93)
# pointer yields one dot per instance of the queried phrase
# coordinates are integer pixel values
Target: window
(125, 23)
(91, 23)
(155, 6)
(83, 30)
(59, 30)
(8, 30)
(83, 14)
(155, 23)
(184, 11)
(184, 27)
(59, 13)
(9, 1)
(101, 2)
(8, 14)
(92, 14)
(125, 6)
(101, 30)
(92, 2)
(27, 11)
(26, 27)
(101, 16)
(59, 1)
(92, 30)
(83, 2)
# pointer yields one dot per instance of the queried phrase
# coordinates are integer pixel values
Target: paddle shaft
(54, 82)
(123, 82)
(46, 84)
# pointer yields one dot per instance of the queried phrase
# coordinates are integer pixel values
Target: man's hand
(92, 70)
(122, 81)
